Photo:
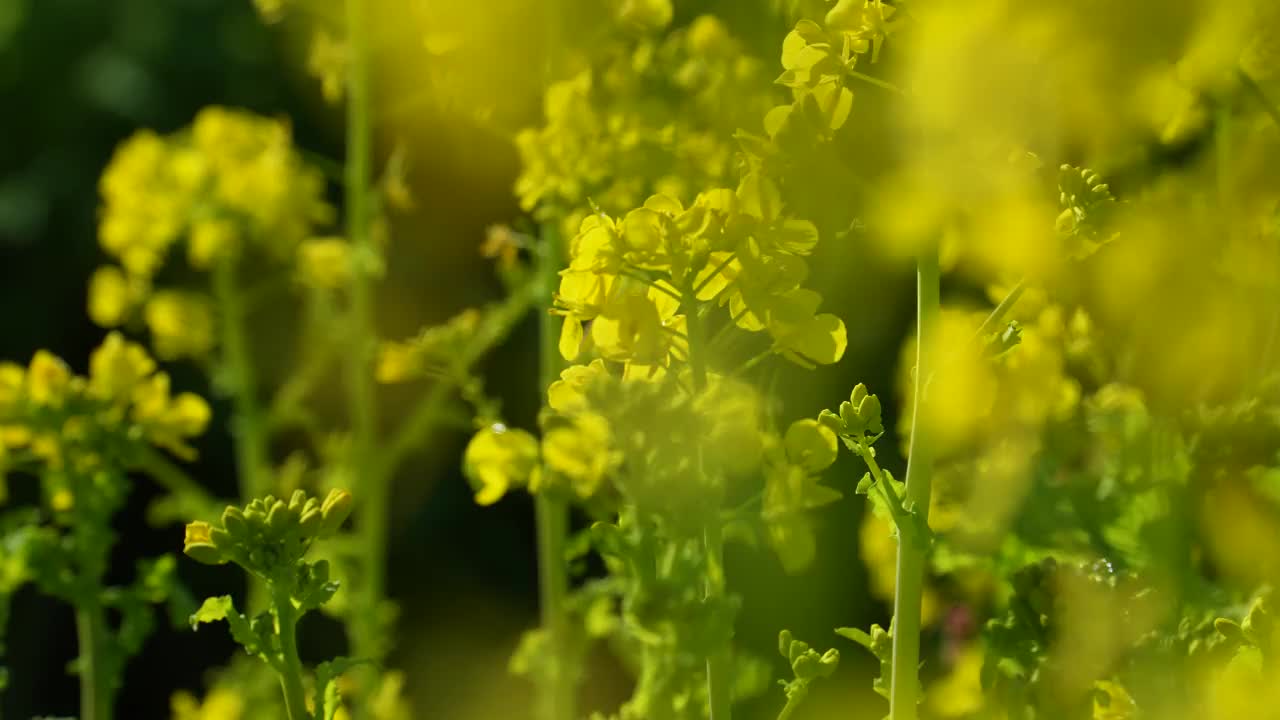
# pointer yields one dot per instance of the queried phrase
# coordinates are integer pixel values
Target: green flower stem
(367, 628)
(719, 660)
(249, 432)
(913, 547)
(552, 513)
(290, 668)
(998, 314)
(794, 700)
(1260, 95)
(249, 427)
(433, 409)
(95, 684)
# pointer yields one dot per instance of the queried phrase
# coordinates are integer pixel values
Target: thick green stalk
(720, 659)
(912, 544)
(552, 513)
(95, 685)
(295, 698)
(367, 631)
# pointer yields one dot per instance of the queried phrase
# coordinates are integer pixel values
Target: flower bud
(830, 420)
(830, 661)
(336, 508)
(233, 521)
(198, 545)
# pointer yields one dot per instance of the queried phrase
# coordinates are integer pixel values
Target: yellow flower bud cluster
(610, 138)
(83, 423)
(230, 182)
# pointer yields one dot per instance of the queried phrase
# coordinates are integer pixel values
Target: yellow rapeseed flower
(325, 263)
(498, 459)
(48, 379)
(181, 324)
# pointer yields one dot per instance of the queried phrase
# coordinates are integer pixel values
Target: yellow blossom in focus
(566, 394)
(498, 459)
(325, 263)
(181, 324)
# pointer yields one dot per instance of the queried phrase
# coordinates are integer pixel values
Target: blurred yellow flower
(181, 324)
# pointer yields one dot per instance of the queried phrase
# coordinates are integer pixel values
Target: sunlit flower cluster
(650, 115)
(230, 184)
(633, 281)
(80, 424)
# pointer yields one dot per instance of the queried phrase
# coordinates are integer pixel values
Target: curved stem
(295, 699)
(552, 513)
(913, 546)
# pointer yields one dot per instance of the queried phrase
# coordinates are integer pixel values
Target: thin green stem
(432, 410)
(794, 700)
(714, 273)
(1256, 90)
(1000, 311)
(249, 426)
(95, 684)
(290, 664)
(720, 659)
(552, 513)
(904, 694)
(882, 84)
(369, 638)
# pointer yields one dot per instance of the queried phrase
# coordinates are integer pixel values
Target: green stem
(552, 513)
(1260, 95)
(295, 699)
(368, 631)
(913, 547)
(794, 700)
(720, 659)
(249, 428)
(95, 683)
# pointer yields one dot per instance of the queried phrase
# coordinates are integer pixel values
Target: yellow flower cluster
(232, 181)
(634, 279)
(605, 141)
(79, 423)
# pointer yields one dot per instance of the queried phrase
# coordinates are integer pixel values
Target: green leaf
(223, 608)
(327, 697)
